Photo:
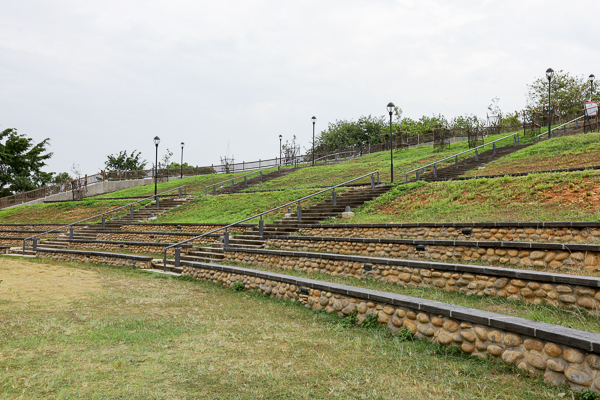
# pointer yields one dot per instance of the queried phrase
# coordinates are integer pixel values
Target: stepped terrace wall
(559, 354)
(532, 286)
(569, 257)
(561, 232)
(97, 257)
(184, 227)
(136, 247)
(169, 237)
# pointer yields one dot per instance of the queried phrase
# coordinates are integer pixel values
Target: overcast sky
(97, 77)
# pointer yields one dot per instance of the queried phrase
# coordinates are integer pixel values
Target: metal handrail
(335, 155)
(483, 145)
(372, 174)
(100, 215)
(214, 185)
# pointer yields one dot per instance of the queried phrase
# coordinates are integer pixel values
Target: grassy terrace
(130, 334)
(232, 208)
(573, 196)
(559, 153)
(59, 212)
(404, 161)
(572, 318)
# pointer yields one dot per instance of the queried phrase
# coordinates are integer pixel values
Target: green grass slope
(571, 196)
(559, 153)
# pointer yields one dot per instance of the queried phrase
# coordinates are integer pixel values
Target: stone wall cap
(95, 253)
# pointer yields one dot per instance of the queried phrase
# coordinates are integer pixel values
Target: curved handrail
(372, 174)
(486, 144)
(214, 185)
(100, 215)
(335, 155)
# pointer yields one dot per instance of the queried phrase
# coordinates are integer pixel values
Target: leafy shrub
(370, 321)
(587, 395)
(237, 286)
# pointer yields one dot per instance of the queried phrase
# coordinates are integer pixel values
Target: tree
(20, 163)
(568, 94)
(124, 162)
(62, 178)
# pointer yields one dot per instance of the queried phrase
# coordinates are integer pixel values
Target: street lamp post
(182, 144)
(549, 75)
(390, 108)
(314, 119)
(156, 142)
(591, 81)
(280, 149)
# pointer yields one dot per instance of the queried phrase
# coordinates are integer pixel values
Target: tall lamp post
(182, 144)
(280, 149)
(314, 119)
(390, 108)
(549, 75)
(156, 142)
(591, 81)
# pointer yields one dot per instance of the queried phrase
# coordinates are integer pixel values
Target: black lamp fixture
(390, 108)
(182, 145)
(314, 119)
(591, 81)
(280, 149)
(156, 142)
(549, 75)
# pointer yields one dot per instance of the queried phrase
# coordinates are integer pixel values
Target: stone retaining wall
(533, 286)
(157, 237)
(31, 227)
(12, 242)
(576, 258)
(135, 247)
(193, 228)
(97, 257)
(559, 354)
(581, 232)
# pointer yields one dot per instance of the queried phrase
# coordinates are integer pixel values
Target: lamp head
(156, 140)
(591, 78)
(314, 119)
(549, 74)
(390, 107)
(182, 145)
(280, 137)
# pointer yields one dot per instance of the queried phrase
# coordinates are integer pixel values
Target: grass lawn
(559, 153)
(573, 196)
(404, 161)
(60, 212)
(230, 208)
(103, 332)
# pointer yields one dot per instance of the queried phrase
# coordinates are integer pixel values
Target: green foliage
(370, 321)
(568, 94)
(62, 177)
(587, 394)
(350, 320)
(21, 162)
(237, 286)
(405, 335)
(124, 162)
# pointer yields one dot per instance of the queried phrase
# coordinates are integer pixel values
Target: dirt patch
(25, 284)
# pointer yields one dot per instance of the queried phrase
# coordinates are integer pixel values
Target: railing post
(245, 181)
(476, 155)
(34, 244)
(372, 181)
(456, 162)
(232, 184)
(435, 170)
(514, 140)
(179, 192)
(214, 190)
(157, 202)
(226, 239)
(417, 175)
(333, 198)
(71, 233)
(494, 148)
(279, 168)
(103, 222)
(261, 227)
(565, 129)
(260, 176)
(165, 261)
(299, 212)
(406, 177)
(177, 257)
(378, 182)
(131, 212)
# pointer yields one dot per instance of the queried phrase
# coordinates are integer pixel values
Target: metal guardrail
(336, 156)
(34, 237)
(232, 180)
(515, 137)
(261, 223)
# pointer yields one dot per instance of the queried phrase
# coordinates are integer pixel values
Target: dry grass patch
(152, 337)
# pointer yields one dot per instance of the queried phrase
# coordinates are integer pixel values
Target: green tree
(124, 162)
(20, 163)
